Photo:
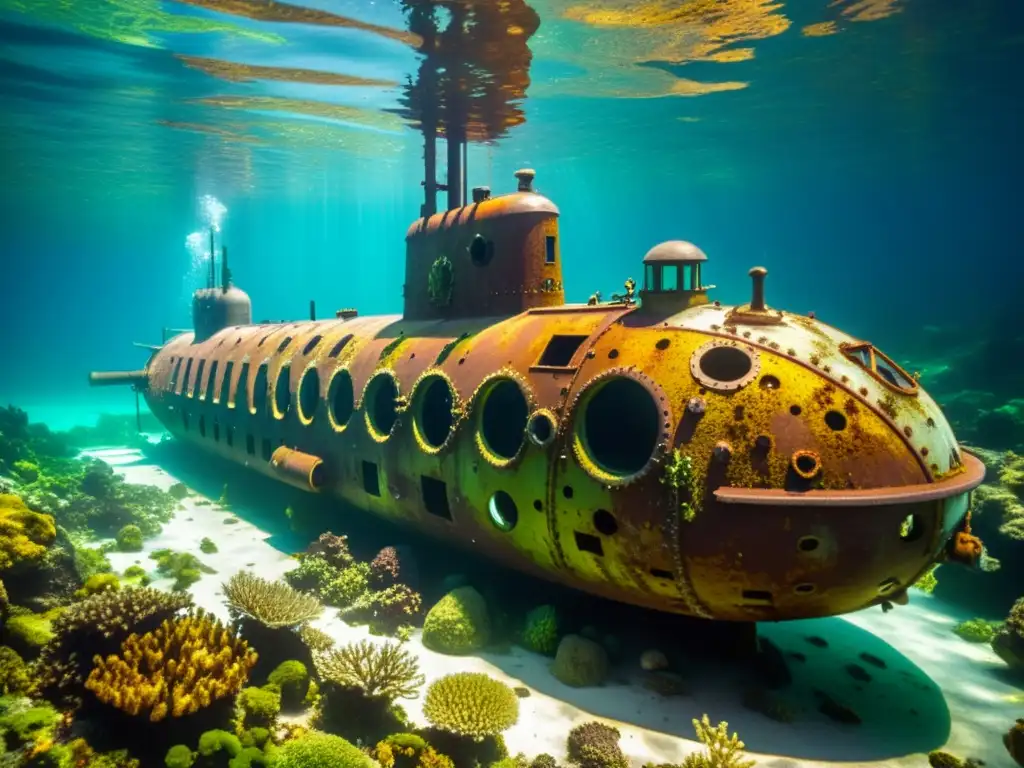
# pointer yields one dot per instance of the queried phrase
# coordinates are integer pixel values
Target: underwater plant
(977, 630)
(471, 704)
(458, 623)
(129, 538)
(540, 630)
(207, 547)
(273, 604)
(316, 749)
(1008, 641)
(595, 745)
(679, 476)
(260, 706)
(383, 671)
(292, 679)
(179, 668)
(29, 632)
(178, 491)
(185, 567)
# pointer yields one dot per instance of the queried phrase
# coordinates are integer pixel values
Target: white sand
(928, 669)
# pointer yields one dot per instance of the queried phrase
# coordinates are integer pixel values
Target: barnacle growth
(381, 671)
(679, 476)
(272, 603)
(181, 667)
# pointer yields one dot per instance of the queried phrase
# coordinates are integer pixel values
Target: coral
(977, 630)
(379, 671)
(29, 632)
(471, 704)
(255, 737)
(99, 501)
(458, 623)
(90, 562)
(387, 610)
(101, 582)
(185, 567)
(178, 491)
(544, 761)
(333, 549)
(14, 677)
(348, 586)
(407, 750)
(1014, 741)
(259, 705)
(320, 750)
(135, 576)
(1008, 641)
(129, 539)
(24, 534)
(179, 756)
(26, 471)
(292, 679)
(540, 630)
(215, 741)
(580, 662)
(316, 639)
(27, 725)
(927, 581)
(385, 567)
(179, 668)
(207, 547)
(595, 745)
(272, 603)
(721, 750)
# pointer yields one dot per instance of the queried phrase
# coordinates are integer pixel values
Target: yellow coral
(24, 534)
(181, 667)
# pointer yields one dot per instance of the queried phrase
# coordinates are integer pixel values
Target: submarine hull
(544, 441)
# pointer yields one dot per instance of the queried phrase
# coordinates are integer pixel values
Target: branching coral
(333, 549)
(181, 667)
(407, 750)
(272, 603)
(721, 750)
(471, 704)
(595, 745)
(316, 639)
(386, 610)
(380, 671)
(385, 567)
(24, 534)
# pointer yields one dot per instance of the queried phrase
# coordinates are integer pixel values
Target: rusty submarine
(727, 462)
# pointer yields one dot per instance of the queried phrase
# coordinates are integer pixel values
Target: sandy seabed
(935, 690)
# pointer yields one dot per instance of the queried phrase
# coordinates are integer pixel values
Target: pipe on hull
(298, 469)
(118, 378)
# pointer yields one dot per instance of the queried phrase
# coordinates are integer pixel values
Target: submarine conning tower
(495, 256)
(215, 308)
(672, 278)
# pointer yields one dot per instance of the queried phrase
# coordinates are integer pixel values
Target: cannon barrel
(116, 378)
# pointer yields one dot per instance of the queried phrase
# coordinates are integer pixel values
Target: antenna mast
(212, 280)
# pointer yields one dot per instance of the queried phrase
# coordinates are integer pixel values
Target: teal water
(866, 152)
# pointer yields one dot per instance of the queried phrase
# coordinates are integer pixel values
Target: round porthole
(282, 392)
(309, 395)
(724, 366)
(503, 512)
(807, 464)
(541, 428)
(380, 404)
(340, 399)
(481, 251)
(502, 420)
(433, 418)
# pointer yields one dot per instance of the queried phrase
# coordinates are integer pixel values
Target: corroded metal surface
(704, 462)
